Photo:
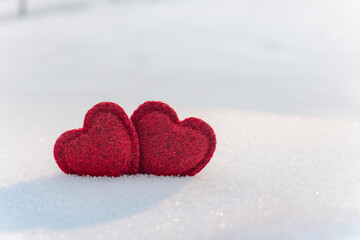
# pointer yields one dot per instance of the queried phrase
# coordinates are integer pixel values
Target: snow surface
(272, 177)
(278, 82)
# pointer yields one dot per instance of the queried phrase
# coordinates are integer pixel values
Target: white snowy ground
(278, 82)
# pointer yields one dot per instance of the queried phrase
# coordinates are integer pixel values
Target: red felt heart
(107, 145)
(168, 146)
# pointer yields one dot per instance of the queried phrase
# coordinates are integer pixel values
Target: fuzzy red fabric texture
(107, 145)
(169, 146)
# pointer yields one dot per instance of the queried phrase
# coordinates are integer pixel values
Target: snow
(278, 82)
(279, 57)
(272, 176)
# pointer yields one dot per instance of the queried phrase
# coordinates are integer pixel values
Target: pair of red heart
(152, 141)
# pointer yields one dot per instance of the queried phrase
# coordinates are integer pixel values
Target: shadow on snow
(68, 202)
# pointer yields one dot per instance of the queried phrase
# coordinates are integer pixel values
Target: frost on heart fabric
(154, 141)
(107, 145)
(169, 146)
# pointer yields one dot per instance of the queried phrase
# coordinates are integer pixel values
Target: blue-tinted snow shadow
(68, 202)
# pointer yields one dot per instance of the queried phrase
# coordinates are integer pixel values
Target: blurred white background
(278, 56)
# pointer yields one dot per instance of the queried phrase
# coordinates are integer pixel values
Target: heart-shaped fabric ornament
(107, 145)
(169, 146)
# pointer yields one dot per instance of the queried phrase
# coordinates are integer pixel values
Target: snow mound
(271, 177)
